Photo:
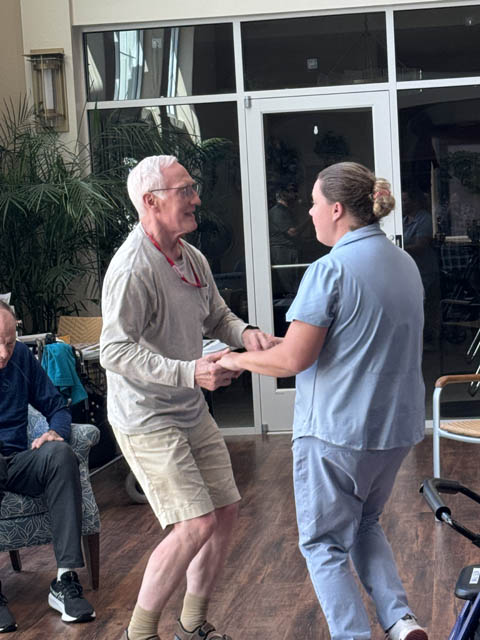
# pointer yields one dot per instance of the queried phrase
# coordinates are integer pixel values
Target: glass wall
(315, 51)
(163, 62)
(437, 43)
(298, 145)
(440, 163)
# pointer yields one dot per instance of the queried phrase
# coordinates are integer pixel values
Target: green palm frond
(51, 207)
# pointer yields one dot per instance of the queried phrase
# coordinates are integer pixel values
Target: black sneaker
(7, 621)
(66, 596)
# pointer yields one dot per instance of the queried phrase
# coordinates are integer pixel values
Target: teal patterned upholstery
(24, 521)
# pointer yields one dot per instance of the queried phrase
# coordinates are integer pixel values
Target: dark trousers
(53, 470)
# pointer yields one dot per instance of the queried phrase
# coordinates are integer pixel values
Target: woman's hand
(231, 361)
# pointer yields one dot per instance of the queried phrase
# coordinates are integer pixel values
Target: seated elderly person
(49, 467)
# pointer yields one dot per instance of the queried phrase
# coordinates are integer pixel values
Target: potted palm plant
(51, 209)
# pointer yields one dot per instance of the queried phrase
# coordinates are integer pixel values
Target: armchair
(24, 520)
(465, 430)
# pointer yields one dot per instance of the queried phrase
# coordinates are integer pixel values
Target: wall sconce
(49, 94)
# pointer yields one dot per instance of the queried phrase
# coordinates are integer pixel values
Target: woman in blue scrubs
(355, 345)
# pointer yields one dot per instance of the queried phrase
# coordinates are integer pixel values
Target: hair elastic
(380, 193)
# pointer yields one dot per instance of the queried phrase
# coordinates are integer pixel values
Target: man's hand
(256, 340)
(210, 375)
(49, 436)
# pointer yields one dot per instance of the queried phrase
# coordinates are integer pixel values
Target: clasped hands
(211, 375)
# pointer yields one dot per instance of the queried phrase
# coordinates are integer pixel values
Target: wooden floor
(265, 591)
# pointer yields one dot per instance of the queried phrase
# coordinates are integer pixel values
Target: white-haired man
(159, 299)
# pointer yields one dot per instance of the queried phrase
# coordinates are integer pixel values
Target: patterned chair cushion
(15, 505)
(24, 521)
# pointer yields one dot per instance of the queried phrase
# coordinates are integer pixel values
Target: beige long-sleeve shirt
(153, 327)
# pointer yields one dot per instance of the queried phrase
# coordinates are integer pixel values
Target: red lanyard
(197, 282)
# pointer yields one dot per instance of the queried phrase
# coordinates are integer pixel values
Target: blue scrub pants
(339, 496)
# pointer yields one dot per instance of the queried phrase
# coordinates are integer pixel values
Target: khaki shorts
(184, 473)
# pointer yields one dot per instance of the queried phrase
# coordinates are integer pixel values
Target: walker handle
(431, 489)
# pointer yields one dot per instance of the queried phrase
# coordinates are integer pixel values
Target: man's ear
(148, 199)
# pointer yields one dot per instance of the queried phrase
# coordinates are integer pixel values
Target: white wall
(12, 83)
(90, 12)
(46, 24)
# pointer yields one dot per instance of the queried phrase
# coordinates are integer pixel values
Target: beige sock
(143, 624)
(194, 611)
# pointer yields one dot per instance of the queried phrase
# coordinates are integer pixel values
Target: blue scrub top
(366, 389)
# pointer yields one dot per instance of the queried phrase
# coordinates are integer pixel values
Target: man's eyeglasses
(186, 191)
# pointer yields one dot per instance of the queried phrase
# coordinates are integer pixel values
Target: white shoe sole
(58, 605)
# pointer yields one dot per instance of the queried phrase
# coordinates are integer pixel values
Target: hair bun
(381, 193)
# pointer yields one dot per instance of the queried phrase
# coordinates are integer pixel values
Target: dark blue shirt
(24, 382)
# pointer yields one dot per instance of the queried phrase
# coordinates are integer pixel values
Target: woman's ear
(337, 211)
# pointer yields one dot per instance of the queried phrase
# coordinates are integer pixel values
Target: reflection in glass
(204, 137)
(437, 43)
(163, 62)
(314, 51)
(297, 146)
(440, 166)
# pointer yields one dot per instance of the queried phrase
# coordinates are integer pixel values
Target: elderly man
(49, 467)
(159, 299)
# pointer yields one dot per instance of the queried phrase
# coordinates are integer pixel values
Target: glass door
(289, 141)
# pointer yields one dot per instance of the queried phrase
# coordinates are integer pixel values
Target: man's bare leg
(169, 561)
(197, 548)
(204, 570)
(206, 566)
(165, 569)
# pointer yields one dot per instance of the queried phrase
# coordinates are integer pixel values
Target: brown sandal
(204, 631)
(125, 636)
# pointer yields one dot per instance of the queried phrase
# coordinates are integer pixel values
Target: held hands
(210, 375)
(230, 361)
(256, 340)
(219, 369)
(49, 436)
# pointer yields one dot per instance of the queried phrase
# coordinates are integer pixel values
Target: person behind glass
(49, 467)
(159, 297)
(355, 344)
(282, 231)
(418, 242)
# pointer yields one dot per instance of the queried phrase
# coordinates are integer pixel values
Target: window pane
(437, 43)
(440, 165)
(297, 146)
(164, 62)
(205, 139)
(314, 52)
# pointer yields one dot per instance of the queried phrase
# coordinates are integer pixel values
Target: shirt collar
(359, 234)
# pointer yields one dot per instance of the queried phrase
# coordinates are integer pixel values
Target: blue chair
(24, 520)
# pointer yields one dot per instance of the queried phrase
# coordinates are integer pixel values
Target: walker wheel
(134, 490)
